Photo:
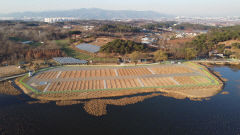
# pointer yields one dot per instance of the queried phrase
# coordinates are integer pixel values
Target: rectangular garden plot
(158, 82)
(133, 72)
(122, 83)
(47, 75)
(171, 70)
(76, 85)
(88, 73)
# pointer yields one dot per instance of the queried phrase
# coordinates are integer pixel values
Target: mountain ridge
(90, 13)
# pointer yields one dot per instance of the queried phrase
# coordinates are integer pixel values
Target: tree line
(208, 42)
(12, 34)
(119, 28)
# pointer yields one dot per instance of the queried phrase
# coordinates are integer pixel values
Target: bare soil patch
(10, 70)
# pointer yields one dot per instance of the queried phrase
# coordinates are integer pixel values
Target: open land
(10, 70)
(186, 80)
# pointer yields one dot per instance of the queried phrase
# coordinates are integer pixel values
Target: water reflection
(98, 107)
(225, 93)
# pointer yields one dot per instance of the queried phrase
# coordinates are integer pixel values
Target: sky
(173, 7)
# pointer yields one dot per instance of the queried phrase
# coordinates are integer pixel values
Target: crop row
(201, 79)
(171, 70)
(122, 83)
(47, 75)
(157, 81)
(185, 80)
(133, 71)
(76, 85)
(88, 73)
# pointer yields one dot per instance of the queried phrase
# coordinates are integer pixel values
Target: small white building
(87, 28)
(30, 73)
(148, 40)
(67, 27)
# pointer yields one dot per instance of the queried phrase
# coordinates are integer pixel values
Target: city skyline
(172, 7)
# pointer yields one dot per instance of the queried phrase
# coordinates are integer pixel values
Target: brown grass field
(171, 70)
(10, 70)
(134, 72)
(47, 75)
(151, 82)
(88, 73)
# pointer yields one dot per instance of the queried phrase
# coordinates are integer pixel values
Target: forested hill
(206, 42)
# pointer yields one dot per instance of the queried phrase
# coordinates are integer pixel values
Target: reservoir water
(219, 115)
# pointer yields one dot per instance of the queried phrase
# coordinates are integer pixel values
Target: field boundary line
(151, 71)
(46, 88)
(26, 85)
(207, 73)
(59, 73)
(104, 84)
(141, 83)
(116, 72)
(176, 82)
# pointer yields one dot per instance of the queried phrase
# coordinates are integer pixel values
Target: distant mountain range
(92, 13)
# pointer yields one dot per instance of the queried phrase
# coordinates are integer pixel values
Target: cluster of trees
(159, 56)
(13, 33)
(123, 47)
(159, 25)
(43, 53)
(118, 28)
(22, 32)
(208, 42)
(73, 35)
(189, 26)
(183, 26)
(236, 45)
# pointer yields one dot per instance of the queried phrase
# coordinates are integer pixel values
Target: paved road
(11, 77)
(217, 61)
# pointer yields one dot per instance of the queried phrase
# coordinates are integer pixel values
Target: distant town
(210, 21)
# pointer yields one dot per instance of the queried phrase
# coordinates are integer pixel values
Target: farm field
(47, 75)
(171, 70)
(134, 71)
(88, 73)
(89, 82)
(10, 70)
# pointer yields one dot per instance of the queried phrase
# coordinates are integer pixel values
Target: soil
(10, 70)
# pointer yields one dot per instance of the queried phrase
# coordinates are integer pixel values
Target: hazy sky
(175, 7)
